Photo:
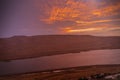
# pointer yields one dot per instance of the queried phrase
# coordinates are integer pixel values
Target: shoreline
(57, 53)
(88, 70)
(67, 69)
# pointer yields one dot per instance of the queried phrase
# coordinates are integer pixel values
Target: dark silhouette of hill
(20, 47)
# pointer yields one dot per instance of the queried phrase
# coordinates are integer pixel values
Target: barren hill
(19, 47)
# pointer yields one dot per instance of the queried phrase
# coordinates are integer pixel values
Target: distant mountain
(19, 47)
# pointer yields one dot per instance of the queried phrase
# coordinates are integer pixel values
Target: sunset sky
(51, 17)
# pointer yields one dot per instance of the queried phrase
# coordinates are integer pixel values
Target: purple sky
(47, 17)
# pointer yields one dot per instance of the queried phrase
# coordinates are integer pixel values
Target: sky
(59, 17)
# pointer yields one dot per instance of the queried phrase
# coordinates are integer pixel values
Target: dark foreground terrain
(103, 72)
(19, 47)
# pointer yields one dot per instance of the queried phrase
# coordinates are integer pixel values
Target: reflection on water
(95, 57)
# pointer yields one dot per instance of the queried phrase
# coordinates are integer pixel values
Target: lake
(94, 57)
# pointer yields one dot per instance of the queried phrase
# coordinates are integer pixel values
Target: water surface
(95, 57)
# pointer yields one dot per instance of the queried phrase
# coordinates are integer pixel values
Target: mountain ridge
(19, 47)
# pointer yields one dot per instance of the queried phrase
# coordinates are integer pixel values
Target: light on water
(95, 57)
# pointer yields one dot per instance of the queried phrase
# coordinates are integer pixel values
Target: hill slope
(35, 46)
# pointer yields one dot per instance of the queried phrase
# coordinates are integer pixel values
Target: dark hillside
(35, 46)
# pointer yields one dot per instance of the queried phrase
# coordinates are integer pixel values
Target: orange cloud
(96, 21)
(92, 29)
(107, 11)
(61, 14)
(84, 30)
(69, 11)
(72, 10)
(86, 18)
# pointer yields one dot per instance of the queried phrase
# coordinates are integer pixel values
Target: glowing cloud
(84, 16)
(84, 30)
(69, 30)
(72, 10)
(107, 11)
(97, 21)
(68, 12)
